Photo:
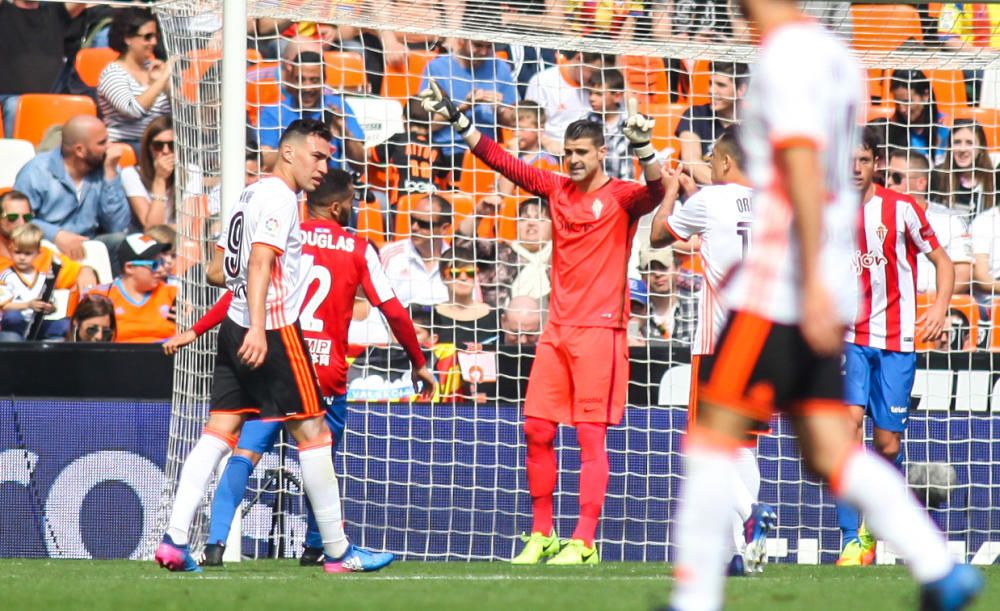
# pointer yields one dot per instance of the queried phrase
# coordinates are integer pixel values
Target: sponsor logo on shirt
(926, 232)
(596, 208)
(568, 226)
(271, 226)
(868, 260)
(896, 409)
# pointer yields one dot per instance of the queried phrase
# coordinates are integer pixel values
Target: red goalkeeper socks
(593, 478)
(541, 466)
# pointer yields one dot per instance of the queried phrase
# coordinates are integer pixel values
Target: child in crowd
(22, 288)
(529, 127)
(607, 94)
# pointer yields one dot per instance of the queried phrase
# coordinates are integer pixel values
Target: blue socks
(848, 520)
(228, 497)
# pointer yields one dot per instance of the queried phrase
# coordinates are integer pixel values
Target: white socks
(195, 475)
(746, 488)
(874, 487)
(321, 486)
(701, 533)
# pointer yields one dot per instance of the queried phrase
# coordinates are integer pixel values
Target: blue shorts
(881, 381)
(259, 436)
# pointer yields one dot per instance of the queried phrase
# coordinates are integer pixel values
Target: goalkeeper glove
(436, 101)
(639, 131)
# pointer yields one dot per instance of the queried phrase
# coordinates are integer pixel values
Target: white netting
(446, 480)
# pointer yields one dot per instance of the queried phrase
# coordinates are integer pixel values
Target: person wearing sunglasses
(132, 90)
(464, 319)
(412, 265)
(93, 320)
(15, 211)
(149, 185)
(144, 304)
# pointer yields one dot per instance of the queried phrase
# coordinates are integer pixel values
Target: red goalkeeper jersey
(592, 238)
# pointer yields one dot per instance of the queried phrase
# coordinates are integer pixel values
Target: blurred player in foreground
(720, 215)
(791, 301)
(580, 373)
(261, 367)
(339, 263)
(879, 361)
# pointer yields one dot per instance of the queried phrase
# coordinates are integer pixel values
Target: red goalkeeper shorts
(580, 374)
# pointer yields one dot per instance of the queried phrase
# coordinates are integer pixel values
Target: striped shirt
(117, 91)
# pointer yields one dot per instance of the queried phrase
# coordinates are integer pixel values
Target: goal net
(445, 480)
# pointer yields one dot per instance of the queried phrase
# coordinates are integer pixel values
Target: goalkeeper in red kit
(581, 368)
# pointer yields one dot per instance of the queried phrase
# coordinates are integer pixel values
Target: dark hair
(871, 140)
(740, 73)
(336, 185)
(609, 78)
(605, 59)
(125, 24)
(422, 315)
(301, 128)
(543, 207)
(92, 305)
(912, 158)
(13, 195)
(910, 79)
(531, 108)
(308, 57)
(444, 206)
(459, 256)
(730, 144)
(147, 169)
(584, 128)
(898, 130)
(947, 177)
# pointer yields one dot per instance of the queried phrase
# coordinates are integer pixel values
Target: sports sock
(323, 490)
(198, 468)
(228, 496)
(313, 538)
(747, 486)
(849, 521)
(900, 459)
(593, 478)
(871, 483)
(541, 468)
(704, 521)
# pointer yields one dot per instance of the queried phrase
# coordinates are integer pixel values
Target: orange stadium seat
(646, 78)
(91, 62)
(477, 178)
(667, 116)
(37, 112)
(963, 305)
(884, 27)
(882, 111)
(989, 118)
(878, 84)
(701, 83)
(261, 93)
(371, 226)
(127, 159)
(345, 71)
(403, 83)
(949, 90)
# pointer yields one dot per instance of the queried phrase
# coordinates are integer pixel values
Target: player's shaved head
(521, 320)
(729, 144)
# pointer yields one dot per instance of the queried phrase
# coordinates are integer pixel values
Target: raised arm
(665, 229)
(531, 179)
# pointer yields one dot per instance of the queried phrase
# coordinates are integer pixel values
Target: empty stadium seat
(91, 62)
(646, 78)
(260, 94)
(884, 27)
(37, 112)
(961, 306)
(370, 225)
(127, 159)
(667, 116)
(949, 90)
(14, 153)
(403, 82)
(477, 178)
(345, 71)
(95, 256)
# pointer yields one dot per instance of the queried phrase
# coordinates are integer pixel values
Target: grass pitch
(278, 585)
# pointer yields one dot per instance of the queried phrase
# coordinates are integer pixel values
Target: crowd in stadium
(94, 195)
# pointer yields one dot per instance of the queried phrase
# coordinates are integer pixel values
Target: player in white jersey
(782, 344)
(879, 361)
(262, 368)
(720, 215)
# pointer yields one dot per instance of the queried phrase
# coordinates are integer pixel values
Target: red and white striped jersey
(806, 90)
(722, 216)
(893, 231)
(267, 214)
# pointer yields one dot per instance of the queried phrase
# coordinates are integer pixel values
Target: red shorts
(580, 374)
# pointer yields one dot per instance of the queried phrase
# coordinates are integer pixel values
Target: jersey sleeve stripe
(788, 142)
(674, 233)
(277, 251)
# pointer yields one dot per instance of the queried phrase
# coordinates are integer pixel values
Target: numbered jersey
(337, 263)
(267, 214)
(722, 216)
(806, 90)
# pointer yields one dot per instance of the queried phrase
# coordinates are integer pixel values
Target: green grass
(281, 585)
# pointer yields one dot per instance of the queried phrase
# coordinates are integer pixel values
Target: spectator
(965, 25)
(909, 173)
(560, 92)
(481, 85)
(700, 126)
(251, 167)
(303, 96)
(607, 92)
(31, 50)
(916, 123)
(521, 321)
(144, 304)
(706, 21)
(75, 189)
(603, 18)
(15, 211)
(412, 265)
(408, 159)
(665, 312)
(149, 185)
(167, 235)
(966, 178)
(464, 320)
(132, 90)
(529, 126)
(93, 320)
(524, 265)
(23, 288)
(638, 299)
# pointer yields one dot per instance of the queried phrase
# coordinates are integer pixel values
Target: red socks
(541, 467)
(593, 478)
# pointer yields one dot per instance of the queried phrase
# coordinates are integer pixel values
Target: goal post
(445, 481)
